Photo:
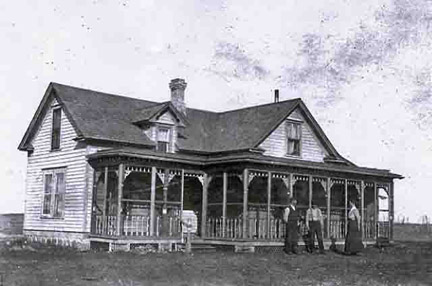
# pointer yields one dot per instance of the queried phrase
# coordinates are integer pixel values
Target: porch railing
(136, 226)
(256, 229)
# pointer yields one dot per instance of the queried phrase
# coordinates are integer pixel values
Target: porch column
(362, 188)
(328, 186)
(224, 202)
(245, 201)
(376, 210)
(291, 186)
(181, 202)
(346, 206)
(391, 209)
(152, 200)
(269, 174)
(164, 231)
(204, 206)
(119, 198)
(104, 191)
(310, 190)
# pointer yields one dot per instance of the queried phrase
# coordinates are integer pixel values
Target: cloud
(230, 61)
(327, 61)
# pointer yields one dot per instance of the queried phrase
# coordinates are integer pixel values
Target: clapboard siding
(276, 143)
(70, 157)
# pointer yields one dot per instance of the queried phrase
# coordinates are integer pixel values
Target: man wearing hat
(291, 218)
(315, 224)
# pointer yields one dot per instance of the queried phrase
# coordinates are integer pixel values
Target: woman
(353, 242)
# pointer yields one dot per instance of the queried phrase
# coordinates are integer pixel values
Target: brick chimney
(276, 95)
(178, 86)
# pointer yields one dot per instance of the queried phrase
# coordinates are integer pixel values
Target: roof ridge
(164, 102)
(103, 93)
(255, 106)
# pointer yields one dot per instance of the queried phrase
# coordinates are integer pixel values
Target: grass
(405, 263)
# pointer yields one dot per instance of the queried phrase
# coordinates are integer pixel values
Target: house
(108, 170)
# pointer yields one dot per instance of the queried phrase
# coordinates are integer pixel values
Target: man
(291, 218)
(315, 224)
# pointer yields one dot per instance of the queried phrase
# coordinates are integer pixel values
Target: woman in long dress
(353, 240)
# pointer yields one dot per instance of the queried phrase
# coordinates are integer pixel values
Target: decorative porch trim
(130, 168)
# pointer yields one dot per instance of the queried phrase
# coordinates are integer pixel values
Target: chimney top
(178, 83)
(276, 95)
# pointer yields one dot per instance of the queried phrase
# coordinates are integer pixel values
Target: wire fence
(424, 223)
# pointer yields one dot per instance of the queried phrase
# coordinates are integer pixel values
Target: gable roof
(102, 116)
(152, 113)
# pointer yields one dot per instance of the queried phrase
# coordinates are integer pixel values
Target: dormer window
(163, 139)
(56, 127)
(293, 138)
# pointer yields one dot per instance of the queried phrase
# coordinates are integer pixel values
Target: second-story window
(56, 126)
(293, 138)
(163, 139)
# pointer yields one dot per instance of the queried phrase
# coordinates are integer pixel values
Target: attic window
(293, 138)
(56, 126)
(163, 139)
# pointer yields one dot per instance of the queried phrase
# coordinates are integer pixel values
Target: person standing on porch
(315, 224)
(353, 242)
(291, 218)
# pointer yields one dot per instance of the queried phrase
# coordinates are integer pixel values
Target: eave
(241, 158)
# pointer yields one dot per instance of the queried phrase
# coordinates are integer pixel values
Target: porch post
(181, 202)
(362, 188)
(152, 200)
(119, 198)
(269, 174)
(346, 206)
(310, 190)
(328, 186)
(245, 201)
(104, 191)
(204, 206)
(291, 186)
(376, 211)
(164, 231)
(224, 202)
(391, 209)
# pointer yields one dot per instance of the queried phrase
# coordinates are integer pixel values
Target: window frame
(56, 130)
(288, 139)
(169, 140)
(57, 193)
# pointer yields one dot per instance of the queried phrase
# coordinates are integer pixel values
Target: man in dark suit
(291, 218)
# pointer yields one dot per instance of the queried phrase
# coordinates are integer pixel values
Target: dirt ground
(405, 263)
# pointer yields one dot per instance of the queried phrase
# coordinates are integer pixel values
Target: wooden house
(111, 170)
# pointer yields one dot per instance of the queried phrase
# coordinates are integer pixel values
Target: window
(293, 138)
(56, 124)
(54, 190)
(163, 139)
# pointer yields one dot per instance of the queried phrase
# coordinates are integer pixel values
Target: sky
(363, 68)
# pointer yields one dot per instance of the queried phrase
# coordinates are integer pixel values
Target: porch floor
(126, 243)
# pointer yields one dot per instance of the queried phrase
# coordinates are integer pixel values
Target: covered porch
(138, 199)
